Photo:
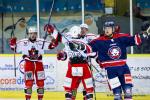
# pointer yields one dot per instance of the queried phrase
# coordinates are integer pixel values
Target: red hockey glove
(49, 28)
(53, 44)
(61, 55)
(12, 43)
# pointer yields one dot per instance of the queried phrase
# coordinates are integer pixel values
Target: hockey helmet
(32, 29)
(109, 24)
(75, 31)
(84, 25)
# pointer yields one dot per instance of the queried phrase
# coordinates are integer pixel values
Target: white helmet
(84, 25)
(32, 29)
(75, 31)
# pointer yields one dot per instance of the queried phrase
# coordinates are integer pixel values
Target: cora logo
(10, 81)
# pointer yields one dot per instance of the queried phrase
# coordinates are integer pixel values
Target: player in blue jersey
(112, 55)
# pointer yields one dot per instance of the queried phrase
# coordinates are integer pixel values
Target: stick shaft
(13, 35)
(50, 15)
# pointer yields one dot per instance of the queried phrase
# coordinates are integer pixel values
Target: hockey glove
(12, 43)
(145, 29)
(53, 44)
(61, 55)
(148, 31)
(49, 28)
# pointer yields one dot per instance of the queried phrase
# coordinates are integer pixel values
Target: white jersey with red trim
(77, 48)
(31, 50)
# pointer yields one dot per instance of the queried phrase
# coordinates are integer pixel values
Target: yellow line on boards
(138, 55)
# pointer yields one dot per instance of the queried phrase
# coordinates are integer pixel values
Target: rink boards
(55, 73)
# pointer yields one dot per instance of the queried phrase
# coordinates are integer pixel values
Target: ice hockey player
(32, 51)
(112, 55)
(87, 37)
(76, 50)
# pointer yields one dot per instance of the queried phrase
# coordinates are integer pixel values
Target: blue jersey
(112, 52)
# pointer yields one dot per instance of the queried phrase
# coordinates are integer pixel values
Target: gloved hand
(148, 31)
(146, 28)
(12, 43)
(53, 44)
(61, 55)
(49, 28)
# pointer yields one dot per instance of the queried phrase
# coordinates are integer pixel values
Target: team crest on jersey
(114, 52)
(25, 43)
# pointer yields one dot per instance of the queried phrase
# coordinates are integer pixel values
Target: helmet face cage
(109, 24)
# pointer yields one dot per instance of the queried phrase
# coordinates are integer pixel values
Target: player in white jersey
(76, 50)
(87, 37)
(32, 51)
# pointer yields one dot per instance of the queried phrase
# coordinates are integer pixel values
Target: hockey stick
(91, 69)
(50, 15)
(65, 29)
(13, 35)
(95, 68)
(93, 84)
(14, 25)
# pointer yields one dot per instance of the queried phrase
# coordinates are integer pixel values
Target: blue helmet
(109, 24)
